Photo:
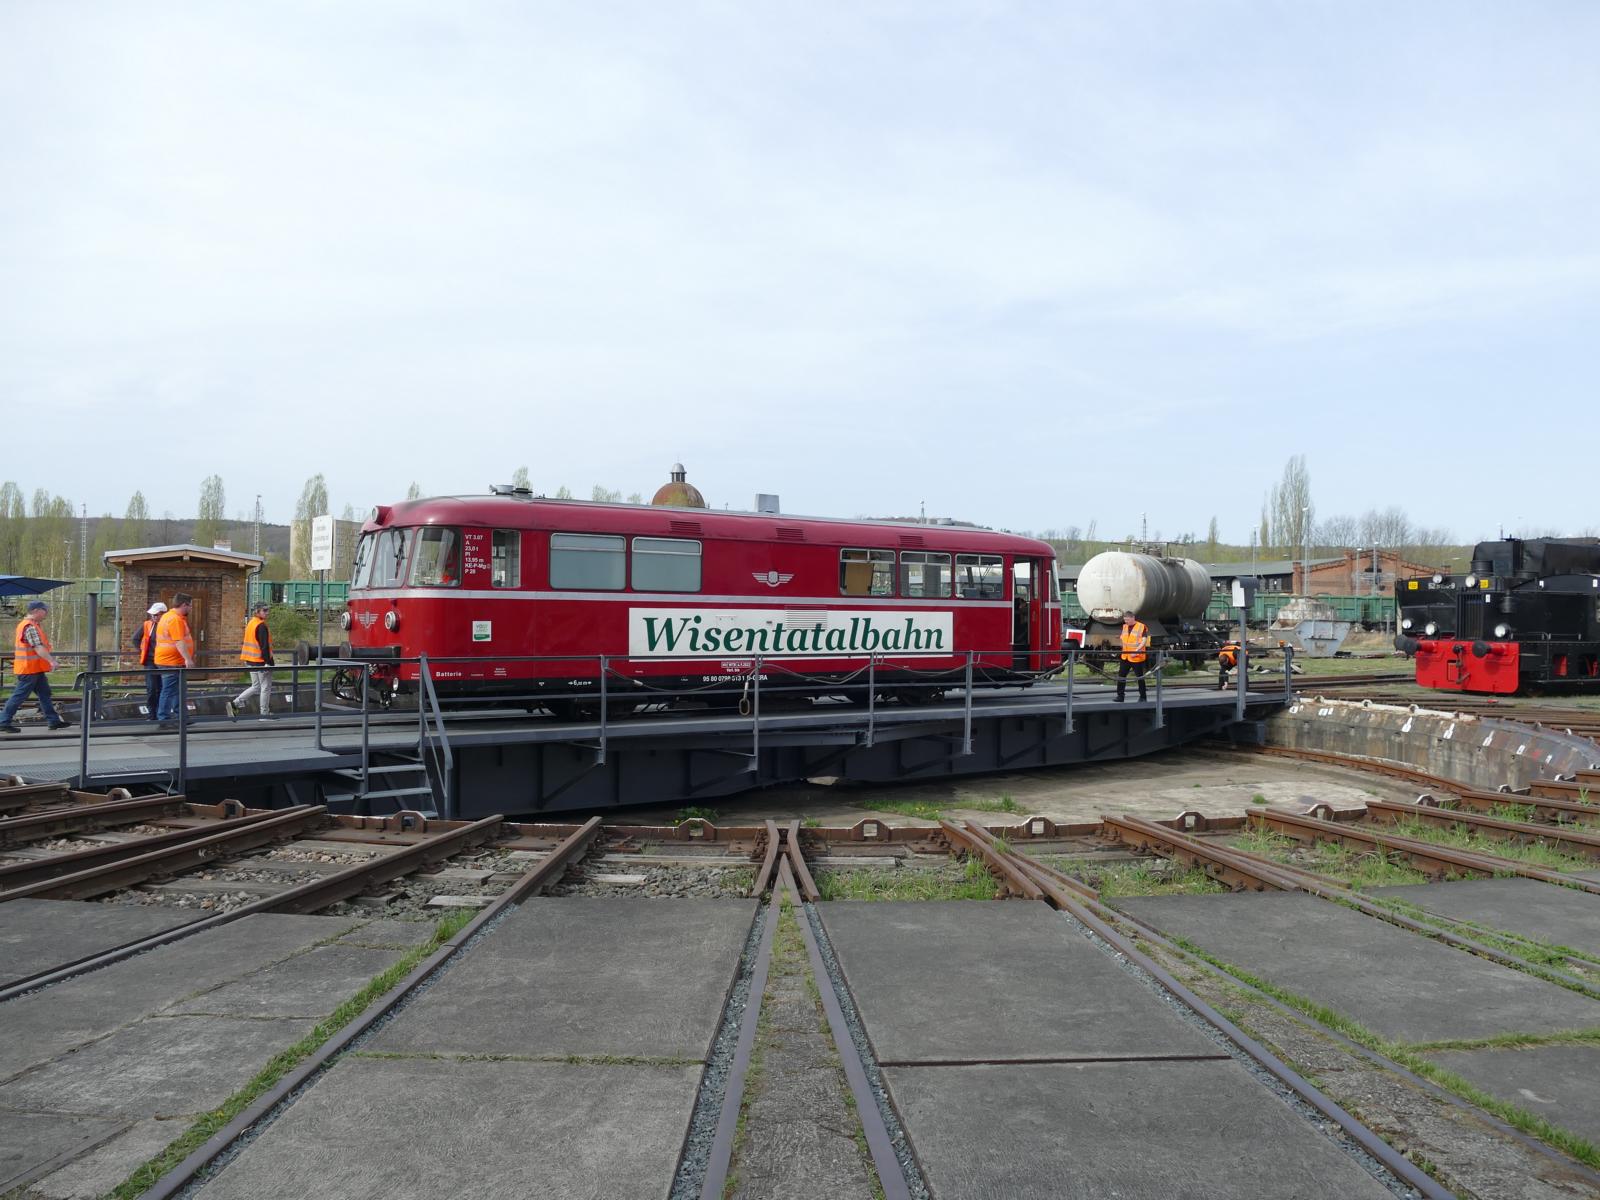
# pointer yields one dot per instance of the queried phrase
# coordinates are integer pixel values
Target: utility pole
(257, 548)
(1305, 549)
(83, 542)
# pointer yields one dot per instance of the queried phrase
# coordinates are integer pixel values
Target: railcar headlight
(1502, 631)
(391, 620)
(346, 620)
(1472, 581)
(1438, 578)
(1430, 629)
(1405, 622)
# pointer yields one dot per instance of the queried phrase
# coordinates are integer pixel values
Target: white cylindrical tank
(1152, 587)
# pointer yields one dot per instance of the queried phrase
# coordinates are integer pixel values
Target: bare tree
(635, 498)
(313, 502)
(1335, 533)
(519, 478)
(213, 511)
(1290, 505)
(563, 492)
(604, 494)
(414, 492)
(13, 525)
(1212, 538)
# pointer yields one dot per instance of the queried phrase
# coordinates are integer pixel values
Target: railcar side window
(438, 557)
(866, 572)
(665, 565)
(505, 559)
(386, 563)
(980, 577)
(924, 573)
(588, 562)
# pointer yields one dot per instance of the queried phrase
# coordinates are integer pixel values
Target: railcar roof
(580, 516)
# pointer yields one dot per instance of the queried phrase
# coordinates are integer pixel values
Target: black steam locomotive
(1525, 617)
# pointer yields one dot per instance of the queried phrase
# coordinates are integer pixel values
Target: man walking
(144, 641)
(256, 653)
(1135, 645)
(174, 653)
(32, 663)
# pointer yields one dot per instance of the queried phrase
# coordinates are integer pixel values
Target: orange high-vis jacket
(172, 632)
(1134, 641)
(29, 661)
(250, 650)
(146, 636)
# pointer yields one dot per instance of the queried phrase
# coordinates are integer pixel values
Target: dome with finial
(679, 492)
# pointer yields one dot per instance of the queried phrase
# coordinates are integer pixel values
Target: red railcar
(682, 600)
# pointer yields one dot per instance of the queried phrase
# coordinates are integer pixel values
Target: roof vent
(791, 533)
(685, 528)
(510, 489)
(912, 539)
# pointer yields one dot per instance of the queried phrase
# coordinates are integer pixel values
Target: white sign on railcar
(775, 632)
(482, 631)
(322, 543)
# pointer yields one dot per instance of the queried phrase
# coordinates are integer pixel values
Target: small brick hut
(219, 581)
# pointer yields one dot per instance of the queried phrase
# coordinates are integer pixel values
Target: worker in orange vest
(174, 652)
(32, 661)
(1135, 649)
(255, 652)
(144, 643)
(1227, 660)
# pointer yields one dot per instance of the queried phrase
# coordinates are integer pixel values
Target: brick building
(217, 579)
(1353, 574)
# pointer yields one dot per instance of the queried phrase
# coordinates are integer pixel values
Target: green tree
(213, 518)
(604, 494)
(635, 498)
(313, 502)
(414, 492)
(519, 478)
(563, 492)
(13, 528)
(135, 530)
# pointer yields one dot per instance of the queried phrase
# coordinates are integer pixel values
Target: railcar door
(1030, 588)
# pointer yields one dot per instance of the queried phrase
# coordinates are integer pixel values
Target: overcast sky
(1032, 264)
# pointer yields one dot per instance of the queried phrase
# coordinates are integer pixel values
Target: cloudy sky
(1032, 264)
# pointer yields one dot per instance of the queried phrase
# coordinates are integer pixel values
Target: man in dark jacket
(144, 645)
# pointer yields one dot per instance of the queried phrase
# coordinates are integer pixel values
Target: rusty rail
(1565, 812)
(1014, 881)
(1427, 857)
(1587, 844)
(1235, 869)
(16, 831)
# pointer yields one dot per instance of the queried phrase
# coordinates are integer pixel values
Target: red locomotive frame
(681, 600)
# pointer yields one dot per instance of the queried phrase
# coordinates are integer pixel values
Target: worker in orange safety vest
(1135, 650)
(32, 661)
(255, 652)
(174, 652)
(1227, 660)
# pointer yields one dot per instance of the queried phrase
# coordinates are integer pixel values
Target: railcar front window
(588, 562)
(924, 574)
(358, 573)
(387, 564)
(866, 572)
(980, 577)
(438, 558)
(505, 565)
(665, 565)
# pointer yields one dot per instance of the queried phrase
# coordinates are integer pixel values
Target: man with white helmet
(144, 642)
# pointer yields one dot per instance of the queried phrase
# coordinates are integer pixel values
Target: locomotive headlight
(1472, 581)
(1405, 623)
(391, 620)
(346, 620)
(1502, 631)
(1430, 629)
(1438, 578)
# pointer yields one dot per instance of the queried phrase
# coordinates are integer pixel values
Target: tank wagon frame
(515, 594)
(1525, 617)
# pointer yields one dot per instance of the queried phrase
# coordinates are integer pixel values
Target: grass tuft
(968, 881)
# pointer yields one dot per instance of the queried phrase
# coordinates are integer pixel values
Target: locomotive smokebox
(1152, 587)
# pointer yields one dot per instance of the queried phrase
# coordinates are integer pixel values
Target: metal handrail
(448, 767)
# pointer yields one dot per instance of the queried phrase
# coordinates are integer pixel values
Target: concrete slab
(312, 984)
(38, 935)
(43, 1024)
(1557, 1082)
(371, 1130)
(159, 1067)
(1134, 1130)
(1538, 910)
(586, 976)
(979, 981)
(90, 1176)
(30, 1142)
(403, 934)
(1399, 984)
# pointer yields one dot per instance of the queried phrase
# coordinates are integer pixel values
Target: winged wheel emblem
(772, 578)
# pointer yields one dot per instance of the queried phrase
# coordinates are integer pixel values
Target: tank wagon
(1525, 617)
(515, 595)
(1169, 595)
